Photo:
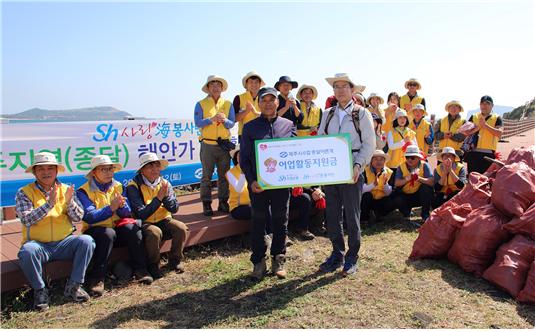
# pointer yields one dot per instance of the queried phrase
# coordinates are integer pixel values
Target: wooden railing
(515, 127)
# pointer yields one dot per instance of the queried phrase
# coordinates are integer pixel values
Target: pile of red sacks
(489, 227)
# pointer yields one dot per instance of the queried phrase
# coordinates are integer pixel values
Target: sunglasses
(412, 157)
(412, 84)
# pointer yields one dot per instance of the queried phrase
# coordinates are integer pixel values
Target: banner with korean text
(75, 143)
(304, 161)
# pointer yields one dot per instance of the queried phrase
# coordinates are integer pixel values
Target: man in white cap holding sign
(214, 116)
(346, 117)
(39, 205)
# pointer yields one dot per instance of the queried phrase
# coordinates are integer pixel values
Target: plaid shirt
(29, 215)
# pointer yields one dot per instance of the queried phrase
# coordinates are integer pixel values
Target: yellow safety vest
(407, 188)
(148, 195)
(310, 118)
(237, 198)
(405, 99)
(454, 129)
(452, 186)
(244, 98)
(56, 225)
(214, 130)
(378, 191)
(101, 200)
(421, 131)
(397, 155)
(486, 140)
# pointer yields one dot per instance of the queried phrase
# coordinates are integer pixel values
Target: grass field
(387, 292)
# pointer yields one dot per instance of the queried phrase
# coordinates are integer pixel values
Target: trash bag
(476, 192)
(526, 155)
(512, 264)
(513, 191)
(475, 245)
(527, 295)
(437, 234)
(523, 225)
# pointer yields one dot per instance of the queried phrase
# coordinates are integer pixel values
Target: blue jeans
(33, 255)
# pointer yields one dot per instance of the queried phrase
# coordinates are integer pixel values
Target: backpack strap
(329, 117)
(355, 114)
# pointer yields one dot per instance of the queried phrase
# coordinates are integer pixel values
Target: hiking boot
(223, 207)
(319, 231)
(305, 235)
(331, 264)
(40, 299)
(95, 287)
(143, 276)
(349, 268)
(207, 209)
(277, 266)
(155, 271)
(176, 265)
(259, 270)
(75, 292)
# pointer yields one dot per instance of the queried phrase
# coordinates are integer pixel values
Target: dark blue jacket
(290, 112)
(258, 129)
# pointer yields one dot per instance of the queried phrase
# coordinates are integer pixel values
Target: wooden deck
(201, 229)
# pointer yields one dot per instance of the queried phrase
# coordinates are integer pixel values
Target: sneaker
(96, 287)
(40, 299)
(207, 209)
(223, 207)
(155, 271)
(176, 266)
(259, 270)
(143, 276)
(305, 235)
(277, 266)
(331, 264)
(349, 268)
(75, 292)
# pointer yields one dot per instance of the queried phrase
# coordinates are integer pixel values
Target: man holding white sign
(266, 204)
(346, 117)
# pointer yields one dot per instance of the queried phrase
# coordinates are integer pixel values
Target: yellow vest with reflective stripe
(421, 131)
(244, 98)
(56, 225)
(397, 156)
(235, 198)
(406, 100)
(101, 200)
(214, 130)
(378, 191)
(148, 195)
(407, 188)
(454, 129)
(486, 140)
(456, 169)
(310, 119)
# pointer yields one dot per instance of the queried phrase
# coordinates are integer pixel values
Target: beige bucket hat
(454, 102)
(375, 95)
(100, 160)
(304, 86)
(420, 107)
(45, 158)
(249, 75)
(380, 153)
(448, 150)
(212, 78)
(150, 157)
(345, 77)
(413, 151)
(413, 80)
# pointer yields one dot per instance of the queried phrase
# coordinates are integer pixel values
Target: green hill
(528, 110)
(81, 114)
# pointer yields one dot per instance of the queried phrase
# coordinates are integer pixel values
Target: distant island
(80, 114)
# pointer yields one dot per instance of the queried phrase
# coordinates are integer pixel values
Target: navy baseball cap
(267, 91)
(486, 99)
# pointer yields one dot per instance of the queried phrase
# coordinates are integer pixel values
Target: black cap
(267, 90)
(285, 79)
(486, 99)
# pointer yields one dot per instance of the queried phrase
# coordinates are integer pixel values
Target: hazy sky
(151, 59)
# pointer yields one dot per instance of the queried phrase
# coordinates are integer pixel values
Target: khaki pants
(212, 155)
(155, 234)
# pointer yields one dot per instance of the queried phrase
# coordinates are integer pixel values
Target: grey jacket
(366, 147)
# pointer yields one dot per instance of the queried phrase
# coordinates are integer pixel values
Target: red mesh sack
(526, 155)
(512, 264)
(523, 225)
(513, 191)
(437, 234)
(475, 245)
(527, 295)
(476, 192)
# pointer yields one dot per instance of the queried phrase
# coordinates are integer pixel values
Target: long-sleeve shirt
(143, 211)
(202, 122)
(460, 183)
(29, 215)
(439, 135)
(290, 113)
(257, 129)
(93, 215)
(398, 145)
(431, 137)
(369, 187)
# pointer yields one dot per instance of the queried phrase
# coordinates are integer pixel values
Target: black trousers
(106, 238)
(440, 199)
(381, 206)
(423, 197)
(476, 162)
(241, 212)
(300, 207)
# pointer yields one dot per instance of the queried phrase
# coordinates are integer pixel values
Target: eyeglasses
(412, 84)
(337, 87)
(109, 169)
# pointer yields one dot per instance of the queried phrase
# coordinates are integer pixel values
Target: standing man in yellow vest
(447, 129)
(411, 98)
(311, 113)
(215, 116)
(489, 129)
(153, 200)
(377, 188)
(246, 104)
(40, 205)
(450, 176)
(422, 128)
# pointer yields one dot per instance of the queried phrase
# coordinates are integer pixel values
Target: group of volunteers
(389, 146)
